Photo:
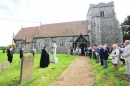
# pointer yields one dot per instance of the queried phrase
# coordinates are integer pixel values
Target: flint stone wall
(40, 43)
(103, 29)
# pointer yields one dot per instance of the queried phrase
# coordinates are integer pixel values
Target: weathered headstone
(26, 68)
(4, 65)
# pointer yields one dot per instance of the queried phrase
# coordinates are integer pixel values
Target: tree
(126, 28)
(3, 48)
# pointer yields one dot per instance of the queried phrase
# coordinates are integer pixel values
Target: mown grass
(41, 76)
(107, 77)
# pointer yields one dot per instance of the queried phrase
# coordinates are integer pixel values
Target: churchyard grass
(41, 76)
(107, 77)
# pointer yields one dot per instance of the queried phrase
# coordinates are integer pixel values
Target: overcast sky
(47, 11)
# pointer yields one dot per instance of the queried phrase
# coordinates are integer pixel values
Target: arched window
(102, 14)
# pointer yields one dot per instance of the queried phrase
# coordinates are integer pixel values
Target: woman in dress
(115, 57)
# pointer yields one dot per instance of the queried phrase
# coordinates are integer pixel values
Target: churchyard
(41, 76)
(45, 76)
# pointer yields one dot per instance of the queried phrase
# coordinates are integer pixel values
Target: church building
(100, 27)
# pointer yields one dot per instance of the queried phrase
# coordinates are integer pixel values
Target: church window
(102, 14)
(46, 42)
(62, 42)
(39, 44)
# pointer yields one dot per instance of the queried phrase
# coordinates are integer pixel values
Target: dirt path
(79, 73)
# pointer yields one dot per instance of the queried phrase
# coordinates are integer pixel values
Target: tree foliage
(126, 28)
(3, 48)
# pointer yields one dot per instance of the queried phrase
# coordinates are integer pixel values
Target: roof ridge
(64, 22)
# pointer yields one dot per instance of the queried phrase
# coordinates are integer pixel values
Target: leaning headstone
(26, 68)
(4, 65)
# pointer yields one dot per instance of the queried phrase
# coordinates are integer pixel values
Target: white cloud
(47, 11)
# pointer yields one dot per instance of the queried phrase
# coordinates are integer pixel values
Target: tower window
(102, 14)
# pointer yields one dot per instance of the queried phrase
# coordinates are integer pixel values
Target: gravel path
(79, 73)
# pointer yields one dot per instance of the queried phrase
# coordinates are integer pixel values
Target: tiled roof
(27, 32)
(63, 29)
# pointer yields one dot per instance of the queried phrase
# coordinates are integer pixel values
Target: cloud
(47, 11)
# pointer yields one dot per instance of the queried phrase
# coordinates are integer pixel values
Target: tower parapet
(101, 5)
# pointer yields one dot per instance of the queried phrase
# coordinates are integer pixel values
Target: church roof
(27, 32)
(63, 29)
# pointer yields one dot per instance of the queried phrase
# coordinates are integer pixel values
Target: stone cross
(26, 68)
(54, 59)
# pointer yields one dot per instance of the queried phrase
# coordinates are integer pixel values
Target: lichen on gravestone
(4, 65)
(26, 68)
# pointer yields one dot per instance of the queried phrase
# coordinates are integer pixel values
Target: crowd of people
(119, 54)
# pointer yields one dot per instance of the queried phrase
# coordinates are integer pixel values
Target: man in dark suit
(10, 54)
(105, 56)
(90, 52)
(101, 51)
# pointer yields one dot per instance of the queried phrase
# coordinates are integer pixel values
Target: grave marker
(26, 68)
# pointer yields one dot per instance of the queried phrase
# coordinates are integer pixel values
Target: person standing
(115, 57)
(80, 51)
(121, 52)
(126, 55)
(44, 61)
(32, 51)
(85, 51)
(105, 56)
(90, 52)
(94, 52)
(71, 50)
(77, 50)
(97, 54)
(10, 54)
(101, 51)
(21, 53)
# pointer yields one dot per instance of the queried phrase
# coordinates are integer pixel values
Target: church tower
(103, 27)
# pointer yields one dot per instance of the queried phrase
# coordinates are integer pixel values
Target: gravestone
(26, 68)
(4, 65)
